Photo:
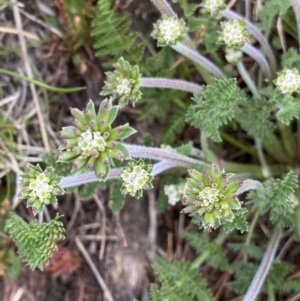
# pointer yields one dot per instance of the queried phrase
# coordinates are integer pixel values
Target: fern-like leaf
(180, 281)
(35, 242)
(214, 107)
(111, 35)
(276, 196)
(202, 243)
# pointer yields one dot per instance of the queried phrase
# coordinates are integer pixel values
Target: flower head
(288, 81)
(174, 192)
(169, 31)
(233, 56)
(136, 177)
(213, 7)
(234, 34)
(210, 196)
(92, 143)
(123, 83)
(39, 187)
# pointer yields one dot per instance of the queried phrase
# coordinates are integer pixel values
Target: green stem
(271, 295)
(287, 139)
(246, 77)
(264, 166)
(298, 139)
(251, 231)
(252, 171)
(238, 144)
(264, 267)
(40, 84)
(274, 148)
(219, 241)
(208, 154)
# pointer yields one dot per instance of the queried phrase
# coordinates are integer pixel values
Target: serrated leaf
(214, 107)
(116, 197)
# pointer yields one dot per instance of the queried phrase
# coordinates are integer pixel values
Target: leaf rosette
(39, 187)
(210, 196)
(92, 143)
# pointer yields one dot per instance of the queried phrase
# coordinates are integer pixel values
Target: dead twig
(29, 73)
(103, 228)
(95, 271)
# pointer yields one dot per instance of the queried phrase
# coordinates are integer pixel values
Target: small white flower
(233, 56)
(174, 192)
(40, 189)
(123, 87)
(234, 33)
(213, 6)
(89, 142)
(288, 81)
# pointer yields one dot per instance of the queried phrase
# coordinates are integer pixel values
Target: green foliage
(290, 59)
(179, 281)
(35, 242)
(254, 118)
(250, 250)
(60, 168)
(289, 108)
(202, 243)
(88, 191)
(175, 124)
(214, 107)
(185, 149)
(111, 35)
(277, 278)
(239, 222)
(116, 196)
(271, 9)
(243, 274)
(276, 196)
(155, 293)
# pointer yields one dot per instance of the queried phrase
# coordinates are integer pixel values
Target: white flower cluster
(90, 142)
(174, 192)
(234, 33)
(288, 81)
(40, 188)
(170, 30)
(135, 179)
(213, 6)
(233, 56)
(123, 87)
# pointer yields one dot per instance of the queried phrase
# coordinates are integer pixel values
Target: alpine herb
(92, 143)
(169, 31)
(234, 34)
(136, 177)
(123, 83)
(288, 81)
(211, 196)
(39, 187)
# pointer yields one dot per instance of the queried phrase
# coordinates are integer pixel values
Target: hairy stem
(229, 14)
(258, 56)
(81, 179)
(158, 82)
(246, 77)
(264, 165)
(164, 7)
(154, 153)
(196, 57)
(264, 267)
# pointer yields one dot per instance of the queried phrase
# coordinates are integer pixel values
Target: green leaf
(202, 243)
(214, 107)
(116, 197)
(88, 191)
